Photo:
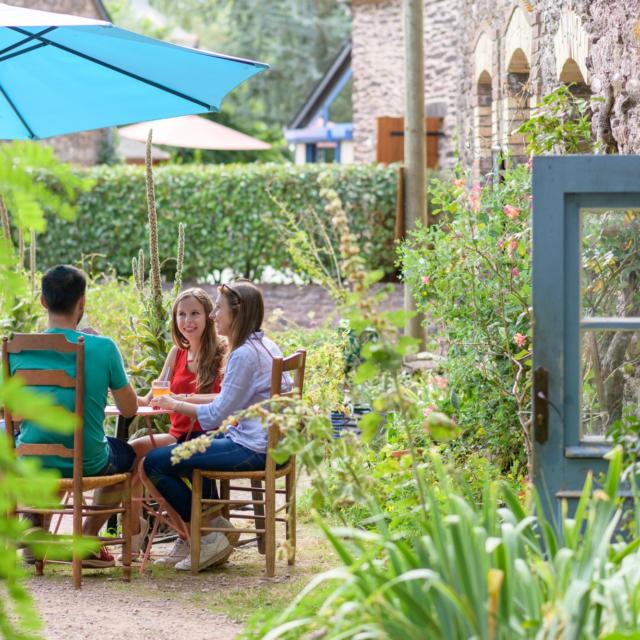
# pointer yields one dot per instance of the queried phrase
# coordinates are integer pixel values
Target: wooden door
(391, 140)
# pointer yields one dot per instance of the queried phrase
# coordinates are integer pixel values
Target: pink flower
(513, 245)
(474, 197)
(440, 382)
(511, 212)
(426, 279)
(530, 164)
(520, 340)
(459, 183)
(429, 410)
(500, 244)
(515, 272)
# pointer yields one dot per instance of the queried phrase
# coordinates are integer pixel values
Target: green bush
(233, 215)
(470, 273)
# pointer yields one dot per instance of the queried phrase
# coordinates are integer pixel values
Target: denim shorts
(121, 457)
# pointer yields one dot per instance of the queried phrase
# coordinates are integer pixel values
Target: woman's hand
(165, 402)
(143, 401)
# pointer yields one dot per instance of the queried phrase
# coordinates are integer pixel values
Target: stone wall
(378, 69)
(536, 45)
(614, 27)
(595, 43)
(83, 148)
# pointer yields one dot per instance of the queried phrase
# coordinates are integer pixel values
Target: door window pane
(610, 252)
(610, 380)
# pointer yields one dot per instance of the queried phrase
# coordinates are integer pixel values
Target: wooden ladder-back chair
(78, 484)
(264, 495)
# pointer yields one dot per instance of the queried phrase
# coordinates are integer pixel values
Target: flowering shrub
(470, 273)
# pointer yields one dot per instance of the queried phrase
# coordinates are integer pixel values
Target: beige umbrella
(193, 132)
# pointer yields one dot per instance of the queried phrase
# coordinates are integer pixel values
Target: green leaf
(441, 427)
(407, 345)
(373, 277)
(399, 317)
(36, 407)
(366, 371)
(369, 424)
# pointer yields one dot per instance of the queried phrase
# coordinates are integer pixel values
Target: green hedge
(228, 211)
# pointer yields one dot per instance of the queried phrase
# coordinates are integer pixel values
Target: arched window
(483, 125)
(571, 74)
(571, 49)
(518, 96)
(517, 89)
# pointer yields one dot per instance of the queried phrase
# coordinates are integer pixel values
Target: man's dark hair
(62, 287)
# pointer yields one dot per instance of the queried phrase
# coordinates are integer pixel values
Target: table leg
(122, 433)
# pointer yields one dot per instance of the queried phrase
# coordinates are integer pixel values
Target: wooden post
(414, 138)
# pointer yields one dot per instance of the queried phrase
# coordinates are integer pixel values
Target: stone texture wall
(82, 148)
(609, 31)
(545, 20)
(378, 69)
(614, 27)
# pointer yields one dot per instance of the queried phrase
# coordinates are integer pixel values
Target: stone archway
(483, 124)
(483, 121)
(518, 46)
(518, 103)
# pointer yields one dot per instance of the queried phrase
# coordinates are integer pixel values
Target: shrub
(471, 274)
(231, 213)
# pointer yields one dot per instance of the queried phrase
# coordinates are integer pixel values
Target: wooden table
(122, 423)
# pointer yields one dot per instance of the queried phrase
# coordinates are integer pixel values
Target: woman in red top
(193, 367)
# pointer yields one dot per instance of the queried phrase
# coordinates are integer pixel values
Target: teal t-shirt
(103, 370)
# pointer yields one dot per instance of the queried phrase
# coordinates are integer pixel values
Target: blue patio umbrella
(61, 74)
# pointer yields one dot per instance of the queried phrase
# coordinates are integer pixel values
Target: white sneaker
(179, 551)
(214, 548)
(222, 523)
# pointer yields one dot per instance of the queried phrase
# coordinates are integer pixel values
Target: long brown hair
(208, 360)
(247, 310)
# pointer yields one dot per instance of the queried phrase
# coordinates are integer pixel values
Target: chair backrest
(295, 365)
(56, 342)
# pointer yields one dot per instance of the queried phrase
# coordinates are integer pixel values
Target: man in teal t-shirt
(63, 296)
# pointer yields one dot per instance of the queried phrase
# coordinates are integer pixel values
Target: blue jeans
(223, 454)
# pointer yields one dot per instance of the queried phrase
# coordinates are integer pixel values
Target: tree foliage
(297, 38)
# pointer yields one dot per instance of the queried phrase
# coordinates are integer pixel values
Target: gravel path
(105, 608)
(165, 604)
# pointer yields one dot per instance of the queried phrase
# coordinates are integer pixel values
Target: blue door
(586, 305)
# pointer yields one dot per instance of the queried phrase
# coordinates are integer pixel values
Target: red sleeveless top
(184, 381)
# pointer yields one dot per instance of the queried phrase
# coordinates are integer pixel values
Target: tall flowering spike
(20, 248)
(156, 285)
(141, 271)
(134, 271)
(352, 263)
(32, 262)
(4, 216)
(179, 260)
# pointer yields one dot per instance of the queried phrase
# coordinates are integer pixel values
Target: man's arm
(123, 393)
(126, 400)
